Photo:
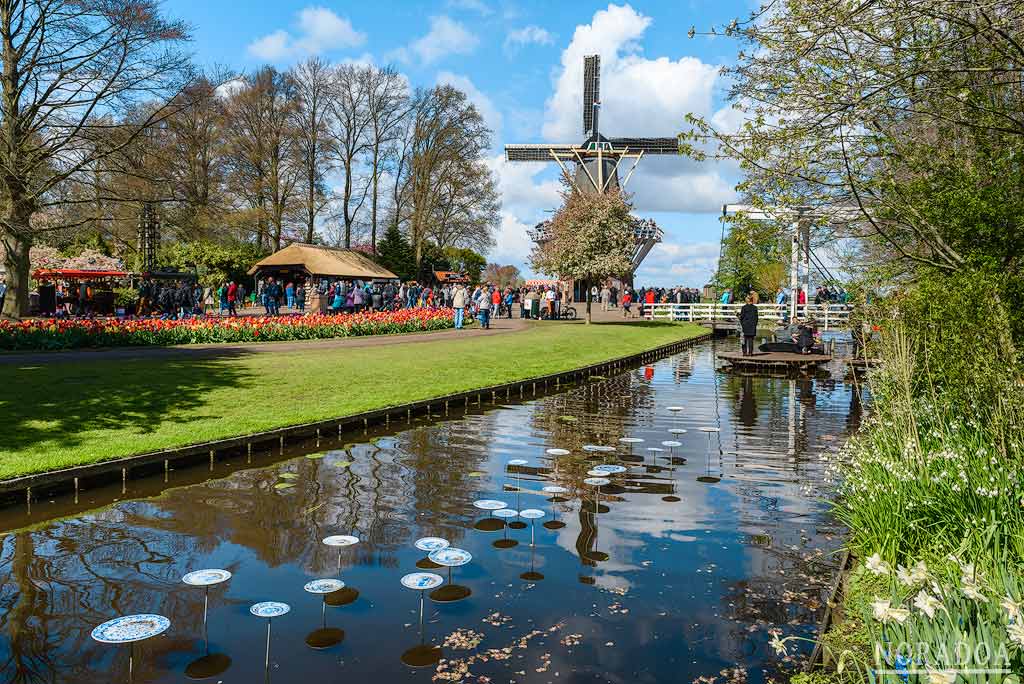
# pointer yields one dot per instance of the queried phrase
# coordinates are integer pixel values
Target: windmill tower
(597, 159)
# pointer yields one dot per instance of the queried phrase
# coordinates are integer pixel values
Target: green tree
(395, 254)
(216, 262)
(592, 238)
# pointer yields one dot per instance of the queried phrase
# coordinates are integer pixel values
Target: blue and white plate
(597, 481)
(708, 429)
(671, 443)
(206, 578)
(674, 409)
(128, 628)
(422, 581)
(531, 514)
(598, 448)
(341, 540)
(607, 469)
(506, 513)
(489, 504)
(677, 431)
(655, 450)
(429, 544)
(324, 586)
(631, 440)
(557, 452)
(518, 462)
(451, 557)
(555, 489)
(269, 609)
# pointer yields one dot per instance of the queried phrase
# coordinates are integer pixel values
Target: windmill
(597, 159)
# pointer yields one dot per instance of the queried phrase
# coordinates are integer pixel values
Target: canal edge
(68, 478)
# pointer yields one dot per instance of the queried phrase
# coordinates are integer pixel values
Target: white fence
(828, 316)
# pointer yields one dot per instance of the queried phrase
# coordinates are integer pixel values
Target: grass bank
(60, 415)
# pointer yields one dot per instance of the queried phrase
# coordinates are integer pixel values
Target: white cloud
(676, 263)
(528, 35)
(446, 37)
(477, 6)
(318, 30)
(525, 201)
(483, 104)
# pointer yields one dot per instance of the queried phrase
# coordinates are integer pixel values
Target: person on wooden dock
(748, 323)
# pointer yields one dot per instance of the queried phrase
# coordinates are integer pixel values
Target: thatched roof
(324, 261)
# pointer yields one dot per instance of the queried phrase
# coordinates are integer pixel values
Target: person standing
(550, 297)
(484, 307)
(748, 323)
(300, 297)
(289, 293)
(459, 304)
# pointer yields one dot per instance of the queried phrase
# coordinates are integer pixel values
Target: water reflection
(683, 577)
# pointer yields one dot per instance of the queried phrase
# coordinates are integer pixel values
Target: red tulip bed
(40, 334)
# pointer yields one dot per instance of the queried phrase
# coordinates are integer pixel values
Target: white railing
(827, 315)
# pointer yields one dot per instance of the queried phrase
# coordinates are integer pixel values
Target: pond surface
(680, 575)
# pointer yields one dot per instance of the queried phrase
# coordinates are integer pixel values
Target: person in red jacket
(232, 296)
(495, 303)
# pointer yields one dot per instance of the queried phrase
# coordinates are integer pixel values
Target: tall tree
(313, 90)
(446, 133)
(69, 68)
(387, 105)
(350, 127)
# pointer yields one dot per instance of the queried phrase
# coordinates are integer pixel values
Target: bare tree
(350, 127)
(388, 106)
(447, 134)
(263, 151)
(313, 92)
(69, 69)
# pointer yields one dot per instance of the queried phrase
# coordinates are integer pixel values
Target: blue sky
(521, 63)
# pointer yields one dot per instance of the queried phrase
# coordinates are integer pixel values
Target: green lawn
(63, 414)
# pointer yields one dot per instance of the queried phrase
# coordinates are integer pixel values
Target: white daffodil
(900, 615)
(1013, 609)
(884, 612)
(941, 676)
(876, 565)
(778, 645)
(912, 576)
(1016, 632)
(972, 590)
(927, 603)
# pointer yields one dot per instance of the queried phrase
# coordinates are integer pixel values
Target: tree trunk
(16, 245)
(588, 306)
(373, 201)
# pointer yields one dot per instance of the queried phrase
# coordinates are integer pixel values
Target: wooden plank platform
(786, 360)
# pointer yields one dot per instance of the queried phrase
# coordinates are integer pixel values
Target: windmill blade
(647, 145)
(591, 92)
(535, 153)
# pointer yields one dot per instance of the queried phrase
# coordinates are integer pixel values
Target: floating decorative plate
(429, 544)
(608, 469)
(422, 581)
(555, 489)
(656, 450)
(269, 609)
(518, 462)
(671, 444)
(631, 440)
(506, 513)
(708, 429)
(674, 409)
(489, 504)
(128, 628)
(598, 448)
(341, 540)
(597, 481)
(677, 431)
(205, 578)
(531, 514)
(451, 557)
(597, 473)
(557, 452)
(324, 586)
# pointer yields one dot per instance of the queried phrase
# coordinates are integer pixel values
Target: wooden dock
(774, 361)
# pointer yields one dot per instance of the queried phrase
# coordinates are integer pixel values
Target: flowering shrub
(72, 334)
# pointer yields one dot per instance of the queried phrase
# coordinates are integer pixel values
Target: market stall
(69, 291)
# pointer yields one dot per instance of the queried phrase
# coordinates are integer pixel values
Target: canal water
(693, 557)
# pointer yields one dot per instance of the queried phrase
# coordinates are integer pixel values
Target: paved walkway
(498, 327)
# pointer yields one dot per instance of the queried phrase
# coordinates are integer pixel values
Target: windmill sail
(591, 93)
(647, 145)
